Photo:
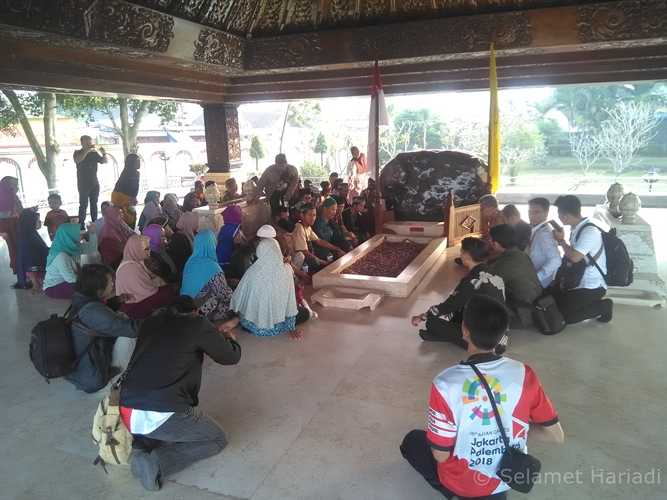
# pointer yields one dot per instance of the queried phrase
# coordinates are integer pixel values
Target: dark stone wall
(416, 184)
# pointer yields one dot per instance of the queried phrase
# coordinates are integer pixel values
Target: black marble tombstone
(416, 184)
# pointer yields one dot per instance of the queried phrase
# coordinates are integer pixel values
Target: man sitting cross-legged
(459, 452)
(443, 321)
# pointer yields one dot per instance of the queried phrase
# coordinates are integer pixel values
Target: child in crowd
(325, 192)
(55, 216)
(460, 450)
(305, 240)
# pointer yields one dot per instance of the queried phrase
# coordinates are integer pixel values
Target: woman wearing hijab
(265, 299)
(32, 249)
(160, 262)
(146, 292)
(171, 210)
(152, 209)
(229, 234)
(181, 243)
(204, 281)
(10, 208)
(62, 263)
(113, 237)
(124, 195)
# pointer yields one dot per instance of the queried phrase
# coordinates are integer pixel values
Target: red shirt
(461, 420)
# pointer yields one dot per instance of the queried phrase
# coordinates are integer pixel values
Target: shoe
(502, 345)
(26, 286)
(429, 337)
(145, 467)
(607, 307)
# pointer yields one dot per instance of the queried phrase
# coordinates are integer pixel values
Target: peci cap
(266, 231)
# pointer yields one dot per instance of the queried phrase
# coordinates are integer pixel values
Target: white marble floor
(323, 418)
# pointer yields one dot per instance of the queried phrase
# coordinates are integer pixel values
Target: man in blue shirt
(543, 249)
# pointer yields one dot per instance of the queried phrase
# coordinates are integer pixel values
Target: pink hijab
(188, 224)
(132, 276)
(115, 227)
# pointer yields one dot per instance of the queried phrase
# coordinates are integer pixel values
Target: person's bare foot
(296, 335)
(229, 325)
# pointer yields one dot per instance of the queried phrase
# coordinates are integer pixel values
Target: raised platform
(400, 286)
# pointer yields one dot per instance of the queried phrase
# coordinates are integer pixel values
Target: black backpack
(52, 348)
(620, 267)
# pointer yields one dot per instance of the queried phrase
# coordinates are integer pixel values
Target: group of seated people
(517, 262)
(178, 280)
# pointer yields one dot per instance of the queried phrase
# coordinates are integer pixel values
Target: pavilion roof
(252, 50)
(259, 18)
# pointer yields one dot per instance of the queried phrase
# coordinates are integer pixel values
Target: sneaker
(145, 468)
(502, 345)
(429, 337)
(607, 307)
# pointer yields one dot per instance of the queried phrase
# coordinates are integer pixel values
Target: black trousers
(448, 331)
(276, 202)
(416, 450)
(580, 304)
(88, 191)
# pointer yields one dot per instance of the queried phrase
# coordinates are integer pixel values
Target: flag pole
(377, 138)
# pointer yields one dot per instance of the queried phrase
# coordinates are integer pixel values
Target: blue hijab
(202, 265)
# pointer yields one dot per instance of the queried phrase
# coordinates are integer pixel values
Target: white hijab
(265, 296)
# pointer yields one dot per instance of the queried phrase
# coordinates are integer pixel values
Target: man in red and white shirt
(460, 450)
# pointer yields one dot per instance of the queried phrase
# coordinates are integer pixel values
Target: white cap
(266, 231)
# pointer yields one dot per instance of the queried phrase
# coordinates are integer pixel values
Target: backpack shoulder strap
(594, 259)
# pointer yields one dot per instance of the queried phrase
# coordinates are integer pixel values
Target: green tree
(419, 129)
(320, 147)
(521, 144)
(552, 133)
(586, 107)
(312, 170)
(16, 109)
(256, 150)
(299, 114)
(126, 114)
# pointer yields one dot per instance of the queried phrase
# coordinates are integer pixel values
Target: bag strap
(114, 395)
(592, 259)
(489, 393)
(88, 331)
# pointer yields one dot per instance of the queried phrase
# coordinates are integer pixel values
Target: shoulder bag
(113, 439)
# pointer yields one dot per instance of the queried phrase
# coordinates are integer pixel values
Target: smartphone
(556, 225)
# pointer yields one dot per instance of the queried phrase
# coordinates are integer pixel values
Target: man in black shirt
(443, 321)
(160, 394)
(522, 286)
(86, 160)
